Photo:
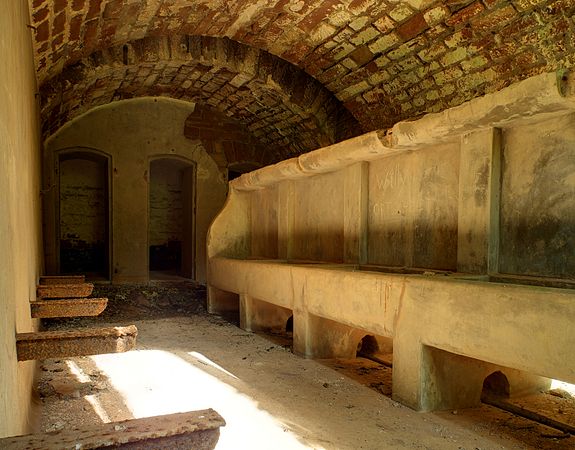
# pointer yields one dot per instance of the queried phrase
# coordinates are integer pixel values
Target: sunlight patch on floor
(154, 382)
(98, 408)
(205, 360)
(91, 399)
(557, 384)
(77, 372)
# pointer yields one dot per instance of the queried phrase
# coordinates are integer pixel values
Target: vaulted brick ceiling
(284, 108)
(384, 60)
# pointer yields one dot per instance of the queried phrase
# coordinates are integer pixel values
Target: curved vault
(387, 60)
(283, 107)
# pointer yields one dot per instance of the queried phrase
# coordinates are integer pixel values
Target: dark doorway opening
(289, 325)
(83, 219)
(171, 219)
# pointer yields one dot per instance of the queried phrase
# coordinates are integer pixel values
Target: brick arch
(279, 104)
(226, 140)
(385, 59)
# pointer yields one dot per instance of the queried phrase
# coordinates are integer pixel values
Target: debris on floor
(283, 401)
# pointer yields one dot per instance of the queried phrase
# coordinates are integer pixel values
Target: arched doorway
(83, 214)
(171, 232)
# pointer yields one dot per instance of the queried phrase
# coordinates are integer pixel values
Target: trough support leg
(429, 379)
(221, 301)
(320, 338)
(259, 315)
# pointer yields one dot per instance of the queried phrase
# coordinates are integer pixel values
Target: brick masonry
(227, 140)
(284, 109)
(384, 60)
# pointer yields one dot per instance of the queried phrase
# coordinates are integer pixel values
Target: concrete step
(199, 430)
(71, 307)
(61, 344)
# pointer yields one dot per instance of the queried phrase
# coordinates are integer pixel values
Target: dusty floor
(270, 398)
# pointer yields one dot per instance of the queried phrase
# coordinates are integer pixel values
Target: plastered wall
(318, 219)
(491, 201)
(412, 209)
(133, 133)
(484, 188)
(538, 199)
(20, 217)
(401, 210)
(264, 224)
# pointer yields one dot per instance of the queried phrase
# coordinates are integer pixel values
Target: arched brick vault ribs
(284, 108)
(385, 59)
(227, 141)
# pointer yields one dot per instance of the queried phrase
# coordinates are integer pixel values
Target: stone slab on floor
(190, 430)
(90, 341)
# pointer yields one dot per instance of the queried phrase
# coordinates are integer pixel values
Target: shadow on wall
(429, 247)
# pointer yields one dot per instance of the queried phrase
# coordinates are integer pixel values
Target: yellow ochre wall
(20, 244)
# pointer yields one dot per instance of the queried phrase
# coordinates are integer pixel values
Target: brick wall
(83, 216)
(166, 223)
(166, 204)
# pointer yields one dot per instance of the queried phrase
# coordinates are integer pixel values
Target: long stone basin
(458, 313)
